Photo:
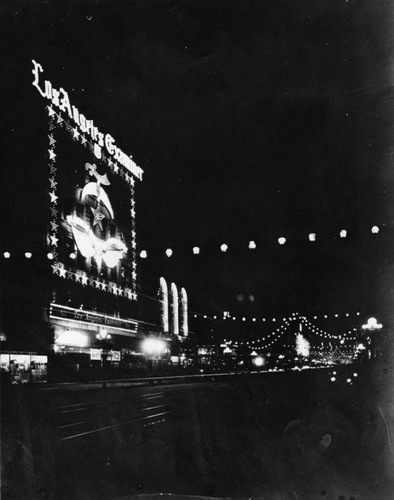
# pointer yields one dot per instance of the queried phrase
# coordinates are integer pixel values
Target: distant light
(28, 255)
(259, 361)
(253, 353)
(143, 254)
(252, 245)
(251, 298)
(342, 341)
(273, 319)
(6, 255)
(312, 236)
(168, 252)
(375, 229)
(253, 319)
(343, 233)
(355, 374)
(50, 255)
(334, 373)
(281, 240)
(372, 324)
(224, 247)
(348, 380)
(326, 316)
(73, 255)
(347, 314)
(196, 250)
(333, 379)
(243, 319)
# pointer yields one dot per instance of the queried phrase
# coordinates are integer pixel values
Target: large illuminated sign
(92, 235)
(60, 100)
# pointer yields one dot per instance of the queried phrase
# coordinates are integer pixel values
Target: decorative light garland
(268, 340)
(251, 245)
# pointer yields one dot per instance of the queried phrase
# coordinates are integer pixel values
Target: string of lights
(229, 317)
(267, 341)
(252, 245)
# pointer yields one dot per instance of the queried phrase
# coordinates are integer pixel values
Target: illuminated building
(81, 282)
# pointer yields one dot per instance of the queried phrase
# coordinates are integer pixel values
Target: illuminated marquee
(91, 199)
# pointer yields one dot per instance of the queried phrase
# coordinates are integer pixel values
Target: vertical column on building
(164, 305)
(174, 309)
(184, 313)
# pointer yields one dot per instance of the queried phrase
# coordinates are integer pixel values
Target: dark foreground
(293, 435)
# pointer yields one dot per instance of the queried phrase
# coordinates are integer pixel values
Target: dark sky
(251, 120)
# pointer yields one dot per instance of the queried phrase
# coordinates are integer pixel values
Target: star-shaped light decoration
(98, 217)
(50, 111)
(84, 280)
(83, 139)
(52, 154)
(54, 240)
(54, 226)
(116, 169)
(55, 268)
(132, 211)
(134, 296)
(62, 272)
(76, 134)
(59, 119)
(134, 275)
(53, 197)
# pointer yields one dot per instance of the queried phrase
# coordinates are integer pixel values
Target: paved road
(279, 436)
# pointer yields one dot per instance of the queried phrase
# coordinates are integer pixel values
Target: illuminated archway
(164, 305)
(174, 307)
(184, 320)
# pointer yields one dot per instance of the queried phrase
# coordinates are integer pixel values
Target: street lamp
(372, 325)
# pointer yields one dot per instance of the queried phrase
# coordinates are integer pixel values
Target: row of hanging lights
(343, 233)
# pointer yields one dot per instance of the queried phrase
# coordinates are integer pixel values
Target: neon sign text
(61, 100)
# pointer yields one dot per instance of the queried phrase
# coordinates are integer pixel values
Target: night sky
(251, 120)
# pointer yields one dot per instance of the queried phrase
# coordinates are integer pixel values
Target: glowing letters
(61, 100)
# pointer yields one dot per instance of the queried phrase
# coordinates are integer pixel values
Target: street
(269, 435)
